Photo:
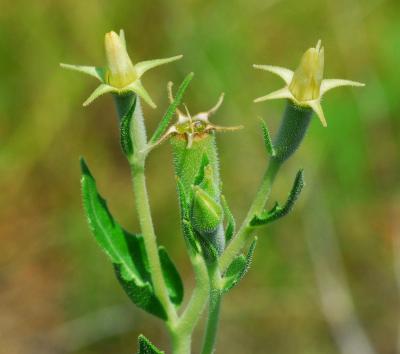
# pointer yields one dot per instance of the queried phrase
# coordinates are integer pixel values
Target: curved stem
(245, 230)
(294, 125)
(195, 307)
(214, 308)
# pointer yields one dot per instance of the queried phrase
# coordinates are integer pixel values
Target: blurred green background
(340, 247)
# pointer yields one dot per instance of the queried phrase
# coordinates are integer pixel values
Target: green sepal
(146, 347)
(188, 162)
(187, 229)
(200, 175)
(163, 125)
(292, 130)
(127, 252)
(172, 278)
(208, 182)
(277, 211)
(210, 251)
(126, 136)
(230, 220)
(267, 139)
(206, 213)
(238, 268)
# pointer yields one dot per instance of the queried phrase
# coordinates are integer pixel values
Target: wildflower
(194, 126)
(305, 86)
(120, 76)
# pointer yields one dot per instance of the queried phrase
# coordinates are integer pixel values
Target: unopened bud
(307, 79)
(207, 214)
(121, 71)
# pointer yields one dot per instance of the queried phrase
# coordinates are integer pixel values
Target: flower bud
(121, 71)
(207, 214)
(307, 78)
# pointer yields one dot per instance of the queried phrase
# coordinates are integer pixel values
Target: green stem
(292, 130)
(150, 241)
(213, 310)
(245, 230)
(198, 300)
(137, 164)
(181, 344)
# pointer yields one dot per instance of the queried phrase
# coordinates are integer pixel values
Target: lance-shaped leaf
(127, 252)
(171, 276)
(267, 139)
(206, 213)
(238, 268)
(200, 174)
(126, 136)
(146, 347)
(277, 211)
(187, 229)
(230, 220)
(162, 127)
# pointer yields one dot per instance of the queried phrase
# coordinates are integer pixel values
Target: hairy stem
(181, 343)
(195, 307)
(294, 125)
(245, 230)
(137, 164)
(214, 308)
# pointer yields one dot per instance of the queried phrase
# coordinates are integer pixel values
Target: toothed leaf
(146, 347)
(188, 232)
(125, 131)
(172, 277)
(267, 139)
(238, 268)
(200, 175)
(230, 220)
(277, 211)
(126, 251)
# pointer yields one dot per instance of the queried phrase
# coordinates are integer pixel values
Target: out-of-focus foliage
(57, 291)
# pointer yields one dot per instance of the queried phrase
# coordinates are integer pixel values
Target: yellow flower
(120, 76)
(305, 86)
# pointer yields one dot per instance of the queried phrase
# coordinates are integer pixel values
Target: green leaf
(238, 268)
(172, 277)
(267, 139)
(125, 131)
(146, 347)
(277, 211)
(206, 213)
(141, 296)
(200, 175)
(230, 220)
(187, 229)
(162, 127)
(126, 251)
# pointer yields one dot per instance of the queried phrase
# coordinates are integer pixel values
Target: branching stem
(245, 231)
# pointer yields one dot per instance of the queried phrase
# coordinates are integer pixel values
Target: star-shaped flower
(120, 76)
(305, 86)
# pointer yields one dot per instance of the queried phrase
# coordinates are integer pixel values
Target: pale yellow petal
(329, 84)
(285, 74)
(96, 72)
(99, 91)
(138, 88)
(317, 108)
(282, 93)
(144, 66)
